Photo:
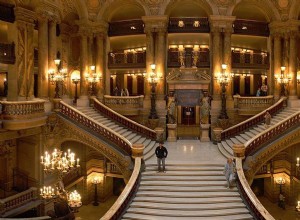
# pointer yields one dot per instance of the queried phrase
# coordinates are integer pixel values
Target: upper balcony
(130, 27)
(188, 25)
(249, 27)
(7, 53)
(249, 59)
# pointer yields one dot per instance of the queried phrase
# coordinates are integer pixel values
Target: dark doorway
(111, 87)
(247, 86)
(236, 85)
(140, 85)
(129, 84)
(188, 115)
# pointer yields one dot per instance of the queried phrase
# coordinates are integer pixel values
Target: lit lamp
(93, 78)
(59, 161)
(298, 206)
(74, 200)
(280, 181)
(223, 79)
(283, 80)
(57, 76)
(96, 181)
(153, 79)
(47, 192)
(298, 76)
(76, 80)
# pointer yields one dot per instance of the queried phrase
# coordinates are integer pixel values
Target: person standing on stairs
(267, 119)
(161, 153)
(229, 172)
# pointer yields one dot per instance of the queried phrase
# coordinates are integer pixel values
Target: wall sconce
(153, 79)
(280, 181)
(93, 78)
(75, 80)
(96, 180)
(223, 80)
(283, 80)
(57, 76)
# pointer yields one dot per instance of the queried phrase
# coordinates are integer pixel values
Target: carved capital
(155, 23)
(24, 15)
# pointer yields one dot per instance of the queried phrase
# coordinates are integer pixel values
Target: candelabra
(47, 192)
(283, 80)
(153, 79)
(96, 181)
(74, 200)
(59, 161)
(57, 76)
(280, 181)
(223, 79)
(75, 80)
(93, 78)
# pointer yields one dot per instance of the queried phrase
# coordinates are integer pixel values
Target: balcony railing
(255, 60)
(135, 59)
(7, 53)
(130, 27)
(189, 25)
(252, 105)
(250, 27)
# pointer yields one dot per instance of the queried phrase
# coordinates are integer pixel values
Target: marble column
(24, 50)
(293, 66)
(43, 91)
(149, 59)
(161, 62)
(216, 62)
(100, 64)
(227, 59)
(277, 63)
(83, 65)
(52, 44)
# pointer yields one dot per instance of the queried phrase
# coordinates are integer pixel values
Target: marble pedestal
(204, 137)
(172, 132)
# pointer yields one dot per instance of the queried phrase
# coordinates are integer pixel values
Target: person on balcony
(116, 91)
(258, 92)
(281, 202)
(264, 90)
(161, 153)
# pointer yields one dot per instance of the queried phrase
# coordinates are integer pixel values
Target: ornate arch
(109, 7)
(270, 151)
(268, 7)
(207, 5)
(60, 130)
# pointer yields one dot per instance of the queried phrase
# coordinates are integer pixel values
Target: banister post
(159, 134)
(239, 150)
(138, 151)
(56, 104)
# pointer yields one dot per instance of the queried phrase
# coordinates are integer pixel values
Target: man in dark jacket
(161, 154)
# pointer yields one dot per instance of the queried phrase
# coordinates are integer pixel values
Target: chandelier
(283, 78)
(59, 161)
(223, 77)
(74, 199)
(47, 192)
(57, 76)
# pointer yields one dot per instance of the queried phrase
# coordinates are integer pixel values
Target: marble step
(185, 173)
(227, 147)
(187, 194)
(250, 134)
(134, 216)
(187, 207)
(255, 132)
(235, 140)
(135, 138)
(187, 214)
(187, 189)
(229, 142)
(183, 183)
(224, 152)
(168, 200)
(189, 167)
(245, 137)
(163, 177)
(131, 135)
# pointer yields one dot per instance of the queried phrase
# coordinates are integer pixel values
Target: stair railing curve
(75, 115)
(123, 201)
(141, 129)
(258, 118)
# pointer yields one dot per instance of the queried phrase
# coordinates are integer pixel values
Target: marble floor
(186, 151)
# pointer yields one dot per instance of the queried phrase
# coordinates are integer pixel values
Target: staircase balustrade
(22, 109)
(77, 116)
(257, 209)
(18, 200)
(143, 130)
(252, 105)
(122, 203)
(245, 125)
(271, 133)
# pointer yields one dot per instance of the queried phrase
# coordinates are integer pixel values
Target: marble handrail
(244, 125)
(17, 200)
(116, 211)
(257, 208)
(22, 109)
(124, 101)
(141, 129)
(242, 102)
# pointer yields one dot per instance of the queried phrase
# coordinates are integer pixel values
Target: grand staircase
(130, 135)
(226, 146)
(186, 191)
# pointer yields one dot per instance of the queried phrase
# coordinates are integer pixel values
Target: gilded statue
(205, 108)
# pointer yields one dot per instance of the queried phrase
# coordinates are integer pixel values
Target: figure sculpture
(171, 110)
(205, 108)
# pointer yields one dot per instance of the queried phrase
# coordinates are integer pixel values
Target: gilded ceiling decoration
(68, 7)
(283, 7)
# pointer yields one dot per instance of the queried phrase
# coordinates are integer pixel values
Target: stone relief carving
(283, 7)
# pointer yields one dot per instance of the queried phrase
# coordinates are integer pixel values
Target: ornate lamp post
(223, 80)
(75, 80)
(280, 181)
(153, 82)
(93, 78)
(283, 80)
(57, 76)
(96, 181)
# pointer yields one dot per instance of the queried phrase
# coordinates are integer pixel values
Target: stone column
(24, 55)
(277, 63)
(149, 59)
(227, 59)
(52, 44)
(161, 62)
(293, 66)
(43, 91)
(216, 62)
(100, 64)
